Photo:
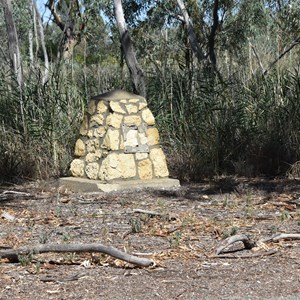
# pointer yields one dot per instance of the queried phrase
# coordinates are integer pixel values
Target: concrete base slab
(77, 184)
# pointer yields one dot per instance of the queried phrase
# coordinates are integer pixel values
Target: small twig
(271, 252)
(147, 212)
(14, 254)
(70, 278)
(15, 193)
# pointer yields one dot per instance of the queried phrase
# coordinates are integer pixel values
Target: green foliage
(175, 240)
(136, 225)
(25, 259)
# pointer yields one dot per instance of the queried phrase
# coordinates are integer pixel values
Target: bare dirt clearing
(180, 230)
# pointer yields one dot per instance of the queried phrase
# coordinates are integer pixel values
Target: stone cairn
(118, 140)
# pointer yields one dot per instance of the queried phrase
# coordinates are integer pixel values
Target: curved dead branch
(14, 254)
(248, 244)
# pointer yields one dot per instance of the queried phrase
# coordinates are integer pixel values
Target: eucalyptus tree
(135, 70)
(13, 42)
(71, 17)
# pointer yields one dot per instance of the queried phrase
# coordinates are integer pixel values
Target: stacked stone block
(118, 140)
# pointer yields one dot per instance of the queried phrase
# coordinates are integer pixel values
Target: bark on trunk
(191, 32)
(71, 37)
(41, 30)
(136, 72)
(13, 45)
(212, 36)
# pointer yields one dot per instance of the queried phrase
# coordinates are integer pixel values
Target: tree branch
(191, 33)
(282, 54)
(57, 17)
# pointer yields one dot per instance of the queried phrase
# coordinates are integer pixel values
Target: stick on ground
(13, 254)
(236, 238)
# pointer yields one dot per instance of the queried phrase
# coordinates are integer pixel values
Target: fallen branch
(15, 193)
(261, 254)
(249, 244)
(147, 212)
(281, 236)
(14, 254)
(236, 238)
(7, 195)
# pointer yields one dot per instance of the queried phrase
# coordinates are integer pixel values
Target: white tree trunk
(13, 44)
(41, 30)
(136, 72)
(191, 33)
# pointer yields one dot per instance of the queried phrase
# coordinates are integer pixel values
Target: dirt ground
(180, 230)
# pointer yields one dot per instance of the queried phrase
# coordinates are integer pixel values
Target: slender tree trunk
(35, 28)
(42, 37)
(13, 45)
(136, 72)
(30, 41)
(191, 32)
(212, 35)
(14, 54)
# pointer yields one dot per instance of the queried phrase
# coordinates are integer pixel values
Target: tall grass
(41, 145)
(231, 126)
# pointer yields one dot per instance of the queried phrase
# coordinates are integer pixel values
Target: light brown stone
(111, 140)
(99, 132)
(131, 108)
(91, 145)
(77, 168)
(116, 166)
(141, 155)
(153, 136)
(90, 133)
(143, 138)
(114, 120)
(92, 170)
(133, 120)
(91, 107)
(97, 120)
(142, 104)
(116, 107)
(148, 117)
(84, 126)
(79, 148)
(92, 157)
(101, 107)
(145, 169)
(159, 162)
(122, 146)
